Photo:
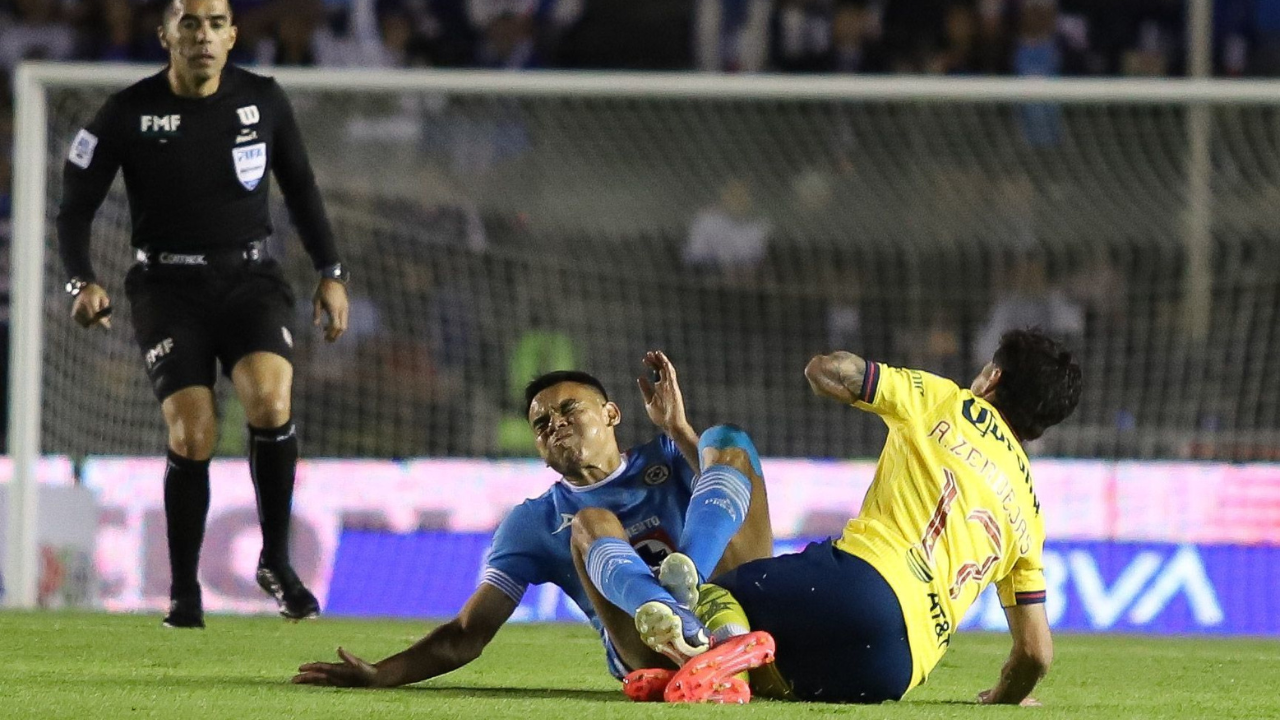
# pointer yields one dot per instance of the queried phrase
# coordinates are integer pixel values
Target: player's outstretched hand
(92, 307)
(331, 300)
(351, 672)
(986, 698)
(662, 397)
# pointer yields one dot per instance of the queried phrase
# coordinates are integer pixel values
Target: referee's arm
(87, 174)
(301, 195)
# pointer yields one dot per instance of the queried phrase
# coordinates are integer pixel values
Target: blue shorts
(839, 627)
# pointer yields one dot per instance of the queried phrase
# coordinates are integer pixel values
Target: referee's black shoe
(282, 583)
(185, 612)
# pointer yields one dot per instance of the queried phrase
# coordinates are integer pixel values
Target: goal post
(26, 340)
(549, 216)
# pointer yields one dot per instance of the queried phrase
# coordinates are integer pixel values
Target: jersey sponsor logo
(656, 475)
(82, 148)
(158, 353)
(248, 114)
(648, 523)
(181, 259)
(942, 627)
(246, 135)
(156, 124)
(251, 164)
(917, 381)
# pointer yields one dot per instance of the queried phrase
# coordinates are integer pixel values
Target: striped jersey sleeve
(515, 559)
(1025, 584)
(900, 394)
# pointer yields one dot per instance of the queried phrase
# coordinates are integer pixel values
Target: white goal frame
(32, 80)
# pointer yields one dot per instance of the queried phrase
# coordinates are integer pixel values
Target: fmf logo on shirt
(155, 354)
(160, 123)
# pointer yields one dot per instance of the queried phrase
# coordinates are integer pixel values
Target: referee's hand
(330, 303)
(92, 307)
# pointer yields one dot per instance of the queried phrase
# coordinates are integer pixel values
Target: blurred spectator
(34, 30)
(1037, 53)
(506, 33)
(729, 235)
(1029, 300)
(1266, 31)
(802, 32)
(1151, 56)
(913, 33)
(732, 35)
(993, 41)
(147, 18)
(441, 34)
(404, 42)
(855, 38)
(958, 53)
(1232, 23)
(107, 29)
(285, 32)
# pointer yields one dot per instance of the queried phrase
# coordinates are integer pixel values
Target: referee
(195, 142)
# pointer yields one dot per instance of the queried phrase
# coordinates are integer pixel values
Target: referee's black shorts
(187, 319)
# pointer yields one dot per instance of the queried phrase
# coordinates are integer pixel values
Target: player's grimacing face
(571, 423)
(198, 35)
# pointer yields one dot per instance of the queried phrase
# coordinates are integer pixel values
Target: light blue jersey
(649, 493)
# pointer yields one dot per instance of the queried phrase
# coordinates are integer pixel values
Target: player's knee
(591, 524)
(729, 445)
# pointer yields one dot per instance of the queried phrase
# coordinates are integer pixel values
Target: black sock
(273, 457)
(186, 505)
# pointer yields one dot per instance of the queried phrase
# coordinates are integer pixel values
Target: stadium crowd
(1070, 37)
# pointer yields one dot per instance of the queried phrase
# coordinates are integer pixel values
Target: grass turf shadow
(520, 693)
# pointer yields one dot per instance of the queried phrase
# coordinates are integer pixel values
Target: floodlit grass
(112, 666)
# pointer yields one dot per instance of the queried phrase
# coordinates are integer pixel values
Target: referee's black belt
(222, 257)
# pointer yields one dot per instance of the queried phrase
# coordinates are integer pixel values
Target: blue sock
(716, 511)
(724, 437)
(621, 576)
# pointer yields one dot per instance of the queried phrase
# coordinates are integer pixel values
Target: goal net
(499, 226)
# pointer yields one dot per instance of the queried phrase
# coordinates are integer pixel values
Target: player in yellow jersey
(952, 509)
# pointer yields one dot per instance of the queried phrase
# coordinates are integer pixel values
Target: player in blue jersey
(602, 531)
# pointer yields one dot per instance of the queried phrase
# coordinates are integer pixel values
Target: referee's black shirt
(195, 170)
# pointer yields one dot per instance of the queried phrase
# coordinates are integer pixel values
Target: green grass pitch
(120, 666)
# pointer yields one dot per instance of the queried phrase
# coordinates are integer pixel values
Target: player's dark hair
(1039, 383)
(543, 382)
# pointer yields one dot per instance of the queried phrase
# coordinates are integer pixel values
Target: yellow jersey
(951, 509)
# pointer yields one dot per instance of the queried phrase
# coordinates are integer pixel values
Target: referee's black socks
(273, 458)
(186, 505)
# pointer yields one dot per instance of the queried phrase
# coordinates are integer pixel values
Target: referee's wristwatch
(76, 285)
(337, 271)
